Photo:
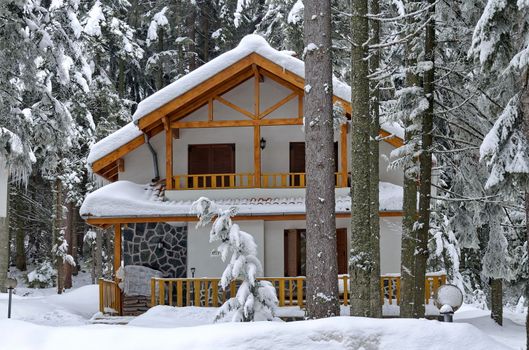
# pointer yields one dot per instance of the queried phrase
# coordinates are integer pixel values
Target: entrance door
(295, 252)
(211, 159)
(297, 162)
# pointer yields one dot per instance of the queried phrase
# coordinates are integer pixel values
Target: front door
(211, 159)
(295, 252)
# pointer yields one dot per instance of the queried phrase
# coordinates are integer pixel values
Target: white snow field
(45, 321)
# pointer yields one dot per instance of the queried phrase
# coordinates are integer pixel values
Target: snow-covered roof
(113, 141)
(252, 43)
(249, 44)
(127, 199)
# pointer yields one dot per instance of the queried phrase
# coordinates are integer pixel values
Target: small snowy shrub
(255, 300)
(43, 276)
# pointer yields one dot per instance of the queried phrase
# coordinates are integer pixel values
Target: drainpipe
(154, 158)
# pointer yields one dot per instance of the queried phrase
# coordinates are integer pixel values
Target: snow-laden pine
(255, 300)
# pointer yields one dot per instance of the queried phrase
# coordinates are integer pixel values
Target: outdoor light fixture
(262, 143)
(448, 298)
(10, 284)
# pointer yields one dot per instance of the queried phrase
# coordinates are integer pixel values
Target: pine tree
(322, 266)
(361, 260)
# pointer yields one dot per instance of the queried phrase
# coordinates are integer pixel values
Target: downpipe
(154, 158)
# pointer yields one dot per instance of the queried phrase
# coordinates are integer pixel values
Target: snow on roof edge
(128, 199)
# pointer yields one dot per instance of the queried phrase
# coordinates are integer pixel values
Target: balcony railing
(291, 291)
(245, 180)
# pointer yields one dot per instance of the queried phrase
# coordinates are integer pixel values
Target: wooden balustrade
(244, 180)
(213, 181)
(109, 297)
(291, 291)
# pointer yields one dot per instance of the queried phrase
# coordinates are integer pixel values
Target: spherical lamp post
(10, 284)
(448, 298)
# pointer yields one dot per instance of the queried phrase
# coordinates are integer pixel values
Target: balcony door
(297, 163)
(211, 159)
(295, 252)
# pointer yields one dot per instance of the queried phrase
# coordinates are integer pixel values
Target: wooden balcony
(246, 180)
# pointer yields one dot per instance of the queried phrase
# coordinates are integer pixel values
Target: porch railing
(109, 297)
(245, 180)
(291, 291)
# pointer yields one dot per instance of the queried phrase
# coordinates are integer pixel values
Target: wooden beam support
(257, 91)
(215, 81)
(235, 107)
(117, 248)
(96, 221)
(202, 100)
(391, 139)
(257, 155)
(168, 154)
(210, 109)
(300, 106)
(115, 155)
(236, 123)
(343, 154)
(176, 133)
(278, 105)
(121, 165)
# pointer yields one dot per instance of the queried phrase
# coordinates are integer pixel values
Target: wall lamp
(262, 143)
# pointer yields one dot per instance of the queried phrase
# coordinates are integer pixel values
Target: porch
(205, 292)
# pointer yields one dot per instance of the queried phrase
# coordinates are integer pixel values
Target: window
(211, 159)
(295, 243)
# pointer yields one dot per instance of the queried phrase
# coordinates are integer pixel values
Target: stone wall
(158, 245)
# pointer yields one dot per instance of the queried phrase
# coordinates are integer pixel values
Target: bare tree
(322, 268)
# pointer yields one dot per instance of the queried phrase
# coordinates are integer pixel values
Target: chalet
(232, 131)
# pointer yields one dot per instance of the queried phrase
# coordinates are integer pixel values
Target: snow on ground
(331, 333)
(45, 320)
(73, 307)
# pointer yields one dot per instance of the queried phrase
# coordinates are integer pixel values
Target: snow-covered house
(231, 131)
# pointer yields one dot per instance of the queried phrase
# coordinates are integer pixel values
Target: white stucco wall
(269, 236)
(199, 249)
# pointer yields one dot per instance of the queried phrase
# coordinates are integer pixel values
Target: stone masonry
(158, 245)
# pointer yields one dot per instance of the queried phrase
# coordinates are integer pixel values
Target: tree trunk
(68, 236)
(20, 239)
(361, 260)
(526, 117)
(496, 300)
(425, 159)
(322, 267)
(374, 64)
(75, 241)
(4, 231)
(409, 205)
(191, 47)
(19, 225)
(56, 230)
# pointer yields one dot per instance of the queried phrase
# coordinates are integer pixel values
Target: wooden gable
(171, 116)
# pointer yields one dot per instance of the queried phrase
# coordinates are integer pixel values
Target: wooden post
(257, 154)
(343, 154)
(168, 154)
